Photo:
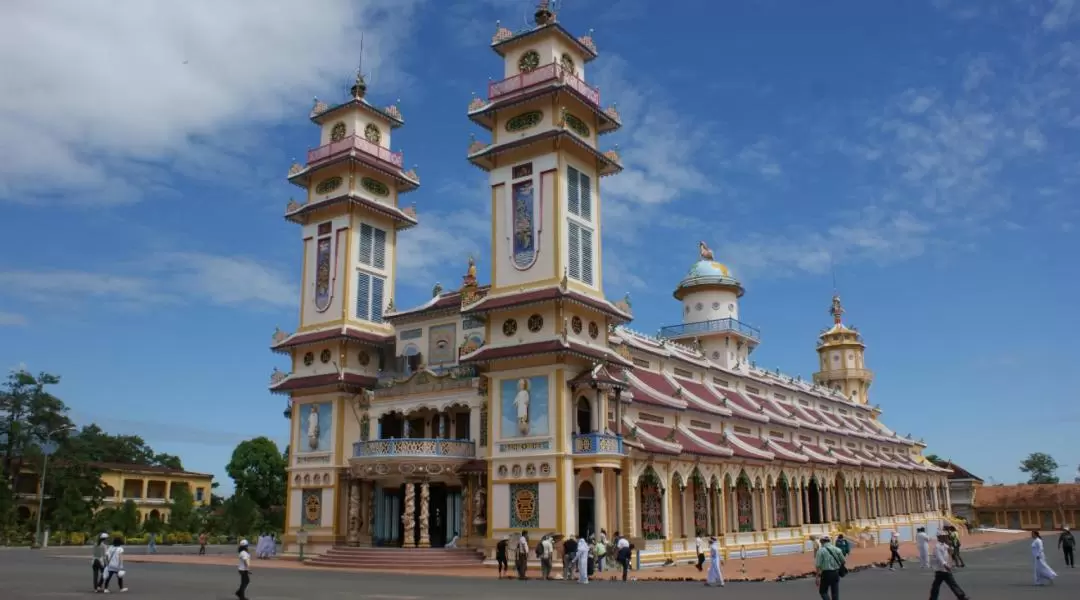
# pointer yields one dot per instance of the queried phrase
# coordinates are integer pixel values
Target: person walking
(569, 549)
(501, 558)
(1043, 572)
(151, 543)
(521, 558)
(244, 566)
(583, 560)
(954, 542)
(699, 547)
(547, 551)
(1067, 543)
(114, 565)
(202, 544)
(829, 567)
(98, 563)
(623, 553)
(894, 551)
(943, 572)
(922, 542)
(715, 576)
(843, 544)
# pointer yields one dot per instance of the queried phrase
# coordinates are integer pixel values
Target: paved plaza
(1001, 572)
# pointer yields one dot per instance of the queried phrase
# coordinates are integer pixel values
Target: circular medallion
(502, 470)
(516, 471)
(364, 359)
(337, 133)
(567, 64)
(375, 186)
(324, 356)
(716, 306)
(716, 355)
(575, 324)
(577, 125)
(313, 508)
(529, 61)
(698, 307)
(524, 121)
(530, 470)
(509, 327)
(309, 359)
(536, 323)
(594, 330)
(372, 133)
(328, 185)
(545, 469)
(731, 307)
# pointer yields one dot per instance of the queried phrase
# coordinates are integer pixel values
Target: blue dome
(708, 273)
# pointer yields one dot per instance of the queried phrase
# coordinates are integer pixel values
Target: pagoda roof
(342, 381)
(957, 472)
(322, 113)
(608, 163)
(504, 39)
(643, 394)
(600, 376)
(535, 296)
(487, 354)
(1055, 496)
(698, 391)
(449, 302)
(298, 213)
(773, 410)
(286, 343)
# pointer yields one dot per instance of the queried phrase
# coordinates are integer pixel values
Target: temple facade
(526, 403)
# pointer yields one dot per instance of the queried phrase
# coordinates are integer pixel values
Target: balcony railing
(415, 447)
(714, 326)
(355, 143)
(541, 75)
(597, 443)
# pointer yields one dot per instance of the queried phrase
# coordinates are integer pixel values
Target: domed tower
(840, 353)
(710, 297)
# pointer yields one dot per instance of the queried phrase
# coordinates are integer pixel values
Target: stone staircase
(398, 559)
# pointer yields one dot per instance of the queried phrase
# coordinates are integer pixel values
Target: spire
(837, 309)
(359, 88)
(544, 15)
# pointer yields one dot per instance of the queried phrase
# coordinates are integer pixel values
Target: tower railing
(714, 326)
(415, 447)
(597, 443)
(355, 143)
(541, 75)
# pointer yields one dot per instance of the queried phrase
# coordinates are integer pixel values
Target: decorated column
(425, 501)
(353, 535)
(408, 517)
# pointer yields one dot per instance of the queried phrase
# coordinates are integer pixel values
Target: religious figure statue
(521, 403)
(706, 253)
(470, 273)
(435, 291)
(479, 506)
(313, 428)
(837, 310)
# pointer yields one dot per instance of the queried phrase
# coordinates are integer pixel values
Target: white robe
(923, 542)
(583, 560)
(715, 575)
(1043, 572)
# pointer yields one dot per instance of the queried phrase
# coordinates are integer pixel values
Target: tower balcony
(549, 74)
(825, 377)
(371, 154)
(414, 448)
(598, 443)
(353, 144)
(728, 325)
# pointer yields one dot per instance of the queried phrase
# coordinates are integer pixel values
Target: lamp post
(41, 484)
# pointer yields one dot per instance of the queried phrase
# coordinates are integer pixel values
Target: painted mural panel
(525, 227)
(524, 505)
(316, 422)
(442, 344)
(524, 404)
(471, 343)
(312, 508)
(322, 275)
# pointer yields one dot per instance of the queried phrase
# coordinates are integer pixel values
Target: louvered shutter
(573, 191)
(365, 244)
(585, 190)
(377, 299)
(575, 250)
(379, 249)
(586, 256)
(363, 296)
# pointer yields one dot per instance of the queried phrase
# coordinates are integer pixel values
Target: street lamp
(41, 484)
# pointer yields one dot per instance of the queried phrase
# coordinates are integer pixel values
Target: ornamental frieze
(525, 446)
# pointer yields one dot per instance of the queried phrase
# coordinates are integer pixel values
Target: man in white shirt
(547, 552)
(521, 557)
(622, 553)
(943, 572)
(699, 547)
(244, 566)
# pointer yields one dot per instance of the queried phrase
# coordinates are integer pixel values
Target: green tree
(241, 515)
(182, 515)
(126, 518)
(934, 458)
(1040, 467)
(29, 415)
(153, 524)
(257, 469)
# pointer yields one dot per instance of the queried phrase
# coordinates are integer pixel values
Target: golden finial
(837, 309)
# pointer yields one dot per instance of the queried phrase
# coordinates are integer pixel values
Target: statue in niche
(704, 251)
(313, 428)
(470, 274)
(479, 506)
(521, 403)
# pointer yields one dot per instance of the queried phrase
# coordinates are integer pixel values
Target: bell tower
(841, 353)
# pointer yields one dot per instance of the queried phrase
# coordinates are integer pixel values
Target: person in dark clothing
(1067, 543)
(500, 557)
(569, 550)
(943, 570)
(894, 551)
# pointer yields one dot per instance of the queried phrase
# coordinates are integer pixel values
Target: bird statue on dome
(705, 251)
(437, 290)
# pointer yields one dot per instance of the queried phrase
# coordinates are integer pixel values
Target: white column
(666, 512)
(599, 501)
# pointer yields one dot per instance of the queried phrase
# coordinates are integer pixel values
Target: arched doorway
(586, 503)
(781, 502)
(744, 504)
(814, 501)
(584, 415)
(650, 498)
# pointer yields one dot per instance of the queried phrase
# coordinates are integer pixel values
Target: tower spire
(359, 88)
(837, 309)
(544, 14)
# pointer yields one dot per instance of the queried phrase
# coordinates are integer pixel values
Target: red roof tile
(785, 450)
(958, 472)
(741, 404)
(492, 353)
(717, 438)
(348, 333)
(656, 381)
(701, 391)
(1049, 496)
(345, 380)
(657, 431)
(450, 301)
(772, 409)
(491, 303)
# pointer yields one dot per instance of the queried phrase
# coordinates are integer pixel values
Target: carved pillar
(425, 502)
(353, 535)
(408, 517)
(630, 525)
(369, 520)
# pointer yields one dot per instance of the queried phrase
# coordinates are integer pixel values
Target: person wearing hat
(943, 569)
(99, 560)
(828, 564)
(244, 567)
(715, 576)
(114, 565)
(1067, 543)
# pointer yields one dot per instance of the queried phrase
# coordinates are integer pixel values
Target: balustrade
(597, 443)
(541, 75)
(415, 447)
(355, 143)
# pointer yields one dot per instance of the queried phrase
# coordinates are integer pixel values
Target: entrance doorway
(586, 503)
(584, 416)
(815, 502)
(437, 516)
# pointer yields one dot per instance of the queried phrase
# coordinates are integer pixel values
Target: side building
(527, 403)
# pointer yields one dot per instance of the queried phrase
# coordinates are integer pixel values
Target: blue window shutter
(363, 296)
(573, 191)
(379, 249)
(586, 256)
(365, 244)
(377, 299)
(574, 232)
(585, 186)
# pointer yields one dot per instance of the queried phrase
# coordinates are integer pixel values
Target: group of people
(108, 562)
(266, 546)
(715, 576)
(581, 556)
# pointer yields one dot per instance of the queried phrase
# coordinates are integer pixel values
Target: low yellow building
(151, 488)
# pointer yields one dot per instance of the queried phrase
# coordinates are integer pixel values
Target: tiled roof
(741, 405)
(700, 391)
(292, 382)
(958, 472)
(1056, 496)
(503, 301)
(153, 469)
(450, 301)
(493, 353)
(336, 333)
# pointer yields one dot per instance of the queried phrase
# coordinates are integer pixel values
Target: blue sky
(926, 149)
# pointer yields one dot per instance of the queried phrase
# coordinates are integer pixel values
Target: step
(390, 565)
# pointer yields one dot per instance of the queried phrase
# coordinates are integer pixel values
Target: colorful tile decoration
(524, 505)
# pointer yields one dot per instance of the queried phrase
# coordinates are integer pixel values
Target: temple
(526, 403)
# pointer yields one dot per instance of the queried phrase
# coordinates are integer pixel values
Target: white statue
(521, 403)
(313, 428)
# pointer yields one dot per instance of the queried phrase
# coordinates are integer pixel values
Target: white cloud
(98, 93)
(163, 278)
(10, 319)
(1060, 15)
(441, 246)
